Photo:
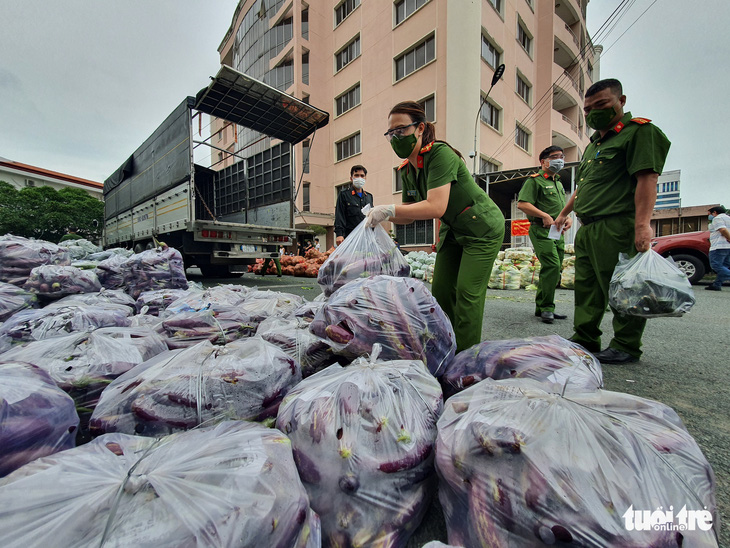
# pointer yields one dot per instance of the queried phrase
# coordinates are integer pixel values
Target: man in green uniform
(542, 198)
(614, 200)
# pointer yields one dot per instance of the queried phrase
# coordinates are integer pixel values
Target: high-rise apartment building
(357, 58)
(667, 190)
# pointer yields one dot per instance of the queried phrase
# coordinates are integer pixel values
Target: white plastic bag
(649, 286)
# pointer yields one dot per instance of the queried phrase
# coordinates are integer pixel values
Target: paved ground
(686, 365)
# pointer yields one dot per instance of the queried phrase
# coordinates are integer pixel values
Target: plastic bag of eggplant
(57, 281)
(160, 268)
(400, 314)
(36, 417)
(551, 359)
(649, 286)
(14, 299)
(365, 252)
(363, 438)
(180, 389)
(233, 484)
(18, 256)
(521, 465)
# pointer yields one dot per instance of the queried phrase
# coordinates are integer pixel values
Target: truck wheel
(139, 248)
(691, 266)
(215, 271)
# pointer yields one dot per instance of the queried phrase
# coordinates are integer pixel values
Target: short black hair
(355, 168)
(717, 209)
(549, 150)
(609, 83)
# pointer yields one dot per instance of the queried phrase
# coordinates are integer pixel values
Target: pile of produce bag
(157, 300)
(400, 314)
(362, 438)
(80, 249)
(263, 304)
(567, 275)
(110, 271)
(200, 299)
(649, 286)
(308, 309)
(46, 323)
(522, 466)
(160, 268)
(180, 389)
(292, 335)
(14, 299)
(83, 364)
(219, 325)
(505, 276)
(105, 298)
(421, 264)
(234, 484)
(550, 359)
(529, 275)
(519, 254)
(18, 256)
(36, 418)
(365, 252)
(57, 281)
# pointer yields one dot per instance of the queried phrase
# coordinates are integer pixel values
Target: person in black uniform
(350, 202)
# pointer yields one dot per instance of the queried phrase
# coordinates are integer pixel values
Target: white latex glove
(380, 213)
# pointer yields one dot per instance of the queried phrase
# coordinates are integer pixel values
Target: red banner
(520, 227)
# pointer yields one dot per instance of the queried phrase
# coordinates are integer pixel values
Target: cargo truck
(218, 219)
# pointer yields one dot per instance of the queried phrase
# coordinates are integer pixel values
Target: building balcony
(566, 45)
(568, 11)
(564, 125)
(567, 83)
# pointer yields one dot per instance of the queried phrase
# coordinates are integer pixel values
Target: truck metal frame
(215, 218)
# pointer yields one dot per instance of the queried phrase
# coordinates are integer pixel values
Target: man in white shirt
(719, 246)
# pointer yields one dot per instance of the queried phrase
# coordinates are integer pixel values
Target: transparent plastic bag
(180, 389)
(400, 314)
(649, 286)
(157, 300)
(219, 325)
(233, 484)
(36, 417)
(365, 252)
(519, 465)
(551, 359)
(58, 281)
(18, 256)
(362, 438)
(110, 271)
(14, 299)
(160, 268)
(114, 298)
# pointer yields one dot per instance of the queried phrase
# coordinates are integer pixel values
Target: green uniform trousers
(550, 253)
(597, 246)
(460, 278)
(267, 262)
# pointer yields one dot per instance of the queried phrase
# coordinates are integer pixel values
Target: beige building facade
(357, 58)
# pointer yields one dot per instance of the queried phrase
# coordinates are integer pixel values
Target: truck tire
(691, 266)
(215, 271)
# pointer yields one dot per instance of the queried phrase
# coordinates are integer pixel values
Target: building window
(524, 37)
(305, 24)
(429, 105)
(522, 138)
(305, 197)
(347, 54)
(281, 35)
(348, 100)
(305, 156)
(397, 181)
(345, 9)
(416, 233)
(497, 5)
(305, 68)
(523, 88)
(31, 182)
(405, 8)
(589, 70)
(490, 115)
(415, 58)
(220, 134)
(487, 166)
(348, 147)
(281, 77)
(490, 53)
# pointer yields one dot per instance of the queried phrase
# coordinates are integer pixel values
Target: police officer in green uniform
(542, 198)
(614, 200)
(437, 185)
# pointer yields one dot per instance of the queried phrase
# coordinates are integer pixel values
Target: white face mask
(358, 182)
(556, 164)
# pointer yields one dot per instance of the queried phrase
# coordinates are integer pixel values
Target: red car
(690, 251)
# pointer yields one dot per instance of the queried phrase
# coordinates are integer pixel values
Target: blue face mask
(710, 217)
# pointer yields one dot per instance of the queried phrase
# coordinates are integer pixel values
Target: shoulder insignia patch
(641, 120)
(535, 175)
(428, 147)
(404, 164)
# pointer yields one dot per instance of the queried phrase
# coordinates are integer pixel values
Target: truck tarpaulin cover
(242, 100)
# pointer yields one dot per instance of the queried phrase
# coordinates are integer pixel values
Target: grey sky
(83, 82)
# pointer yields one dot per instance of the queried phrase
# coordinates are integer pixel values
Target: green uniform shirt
(546, 193)
(606, 179)
(470, 212)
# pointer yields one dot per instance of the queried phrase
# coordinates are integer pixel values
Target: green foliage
(45, 213)
(317, 229)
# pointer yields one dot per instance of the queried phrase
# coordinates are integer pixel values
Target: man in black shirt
(349, 203)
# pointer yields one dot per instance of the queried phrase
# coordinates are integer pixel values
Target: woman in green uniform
(437, 185)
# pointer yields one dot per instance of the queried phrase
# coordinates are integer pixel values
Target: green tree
(44, 213)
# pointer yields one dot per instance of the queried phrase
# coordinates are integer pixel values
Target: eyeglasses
(554, 157)
(398, 131)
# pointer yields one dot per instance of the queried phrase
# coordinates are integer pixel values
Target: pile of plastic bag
(365, 252)
(80, 249)
(505, 276)
(154, 269)
(58, 281)
(234, 484)
(14, 299)
(421, 264)
(362, 438)
(567, 274)
(521, 465)
(18, 256)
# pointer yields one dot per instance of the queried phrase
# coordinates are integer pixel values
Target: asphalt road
(686, 365)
